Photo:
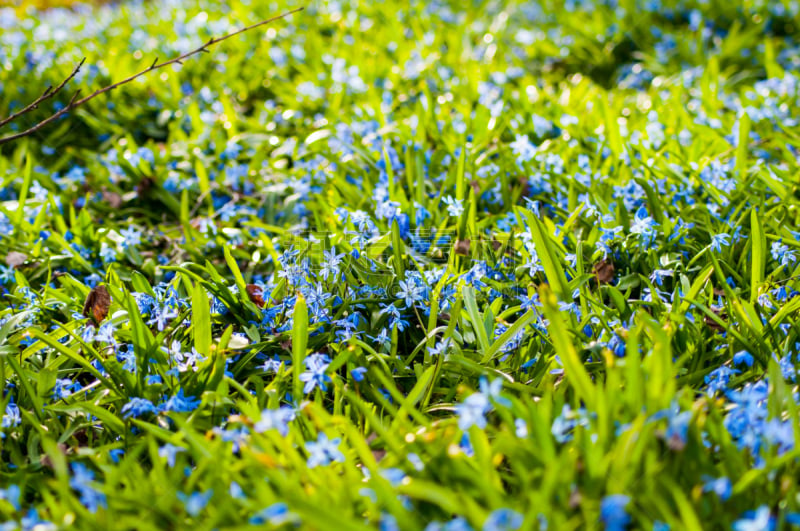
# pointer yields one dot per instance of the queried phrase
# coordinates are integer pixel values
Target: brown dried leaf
(462, 247)
(711, 323)
(113, 199)
(526, 187)
(575, 499)
(256, 295)
(145, 185)
(675, 442)
(604, 271)
(15, 259)
(97, 304)
(378, 455)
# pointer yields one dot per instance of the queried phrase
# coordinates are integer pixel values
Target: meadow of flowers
(442, 265)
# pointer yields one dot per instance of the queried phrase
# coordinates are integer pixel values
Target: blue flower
(718, 240)
(410, 292)
(323, 451)
(195, 502)
(315, 375)
(137, 407)
(237, 436)
(274, 515)
(657, 276)
(456, 524)
(758, 520)
(169, 452)
(721, 486)
(645, 226)
(11, 495)
(718, 379)
(277, 419)
(564, 425)
(32, 520)
(677, 425)
(116, 454)
(236, 491)
(12, 416)
(358, 373)
(82, 481)
(330, 264)
(128, 359)
(181, 404)
(503, 520)
(455, 207)
(743, 358)
(382, 338)
(780, 252)
(388, 522)
(64, 387)
(492, 390)
(132, 236)
(271, 365)
(161, 315)
(523, 148)
(472, 411)
(441, 347)
(613, 513)
(7, 274)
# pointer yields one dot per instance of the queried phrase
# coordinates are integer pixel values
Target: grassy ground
(502, 265)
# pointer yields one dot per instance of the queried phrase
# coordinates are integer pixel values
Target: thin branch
(46, 95)
(74, 102)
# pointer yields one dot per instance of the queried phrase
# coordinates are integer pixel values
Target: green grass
(427, 200)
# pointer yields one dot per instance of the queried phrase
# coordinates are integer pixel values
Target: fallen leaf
(711, 323)
(15, 259)
(145, 185)
(604, 271)
(462, 247)
(575, 499)
(256, 295)
(113, 199)
(97, 304)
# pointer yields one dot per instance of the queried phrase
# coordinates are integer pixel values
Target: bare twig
(75, 102)
(46, 95)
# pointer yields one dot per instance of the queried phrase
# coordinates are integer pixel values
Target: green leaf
(610, 127)
(468, 293)
(25, 377)
(74, 356)
(741, 148)
(550, 262)
(205, 184)
(573, 365)
(506, 336)
(759, 263)
(237, 274)
(27, 177)
(299, 344)
(109, 420)
(397, 251)
(201, 320)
